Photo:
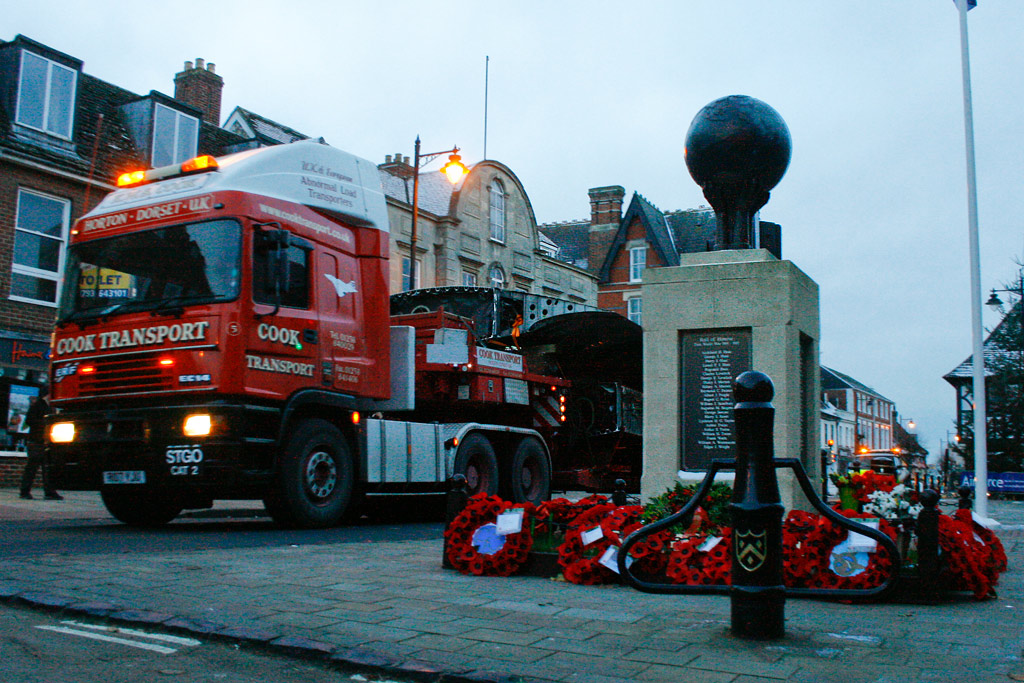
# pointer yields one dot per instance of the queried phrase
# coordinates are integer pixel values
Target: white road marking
(178, 640)
(103, 633)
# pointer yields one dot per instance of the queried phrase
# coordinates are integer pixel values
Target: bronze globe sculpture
(737, 150)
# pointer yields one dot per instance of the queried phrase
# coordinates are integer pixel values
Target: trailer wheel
(316, 474)
(139, 509)
(476, 460)
(529, 473)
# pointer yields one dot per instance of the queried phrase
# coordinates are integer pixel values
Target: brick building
(64, 136)
(873, 414)
(617, 246)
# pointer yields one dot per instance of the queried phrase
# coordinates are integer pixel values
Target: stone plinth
(747, 300)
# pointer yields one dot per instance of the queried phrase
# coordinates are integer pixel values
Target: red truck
(225, 332)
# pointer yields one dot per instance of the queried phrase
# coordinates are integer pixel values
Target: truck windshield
(183, 264)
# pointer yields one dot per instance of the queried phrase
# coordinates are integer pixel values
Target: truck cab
(202, 304)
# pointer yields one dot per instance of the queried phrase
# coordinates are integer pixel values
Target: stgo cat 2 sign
(998, 482)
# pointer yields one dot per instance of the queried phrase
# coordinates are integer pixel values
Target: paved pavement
(388, 606)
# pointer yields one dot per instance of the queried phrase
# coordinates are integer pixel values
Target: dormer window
(46, 95)
(175, 136)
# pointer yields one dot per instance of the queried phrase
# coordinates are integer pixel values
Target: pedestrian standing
(37, 448)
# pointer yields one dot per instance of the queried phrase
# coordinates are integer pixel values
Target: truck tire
(477, 462)
(529, 473)
(139, 509)
(315, 477)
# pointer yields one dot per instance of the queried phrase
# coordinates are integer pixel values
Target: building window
(637, 262)
(497, 277)
(175, 136)
(410, 281)
(46, 95)
(635, 309)
(497, 194)
(468, 279)
(41, 229)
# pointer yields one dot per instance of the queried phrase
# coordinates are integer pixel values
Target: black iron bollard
(455, 502)
(965, 497)
(758, 595)
(619, 495)
(928, 545)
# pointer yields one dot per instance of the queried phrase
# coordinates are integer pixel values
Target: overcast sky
(584, 94)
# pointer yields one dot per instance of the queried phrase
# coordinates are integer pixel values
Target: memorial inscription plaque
(710, 361)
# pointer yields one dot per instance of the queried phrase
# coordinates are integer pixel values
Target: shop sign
(25, 354)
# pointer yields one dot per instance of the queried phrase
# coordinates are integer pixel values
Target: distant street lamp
(995, 302)
(977, 343)
(453, 170)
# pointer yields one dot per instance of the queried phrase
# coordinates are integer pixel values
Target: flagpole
(487, 73)
(978, 345)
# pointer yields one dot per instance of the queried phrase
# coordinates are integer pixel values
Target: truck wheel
(529, 474)
(476, 460)
(315, 477)
(138, 509)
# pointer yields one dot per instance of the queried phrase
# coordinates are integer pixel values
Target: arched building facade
(480, 232)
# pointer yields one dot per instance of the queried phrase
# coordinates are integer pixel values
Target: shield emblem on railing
(751, 549)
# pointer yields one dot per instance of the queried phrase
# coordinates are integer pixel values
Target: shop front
(24, 364)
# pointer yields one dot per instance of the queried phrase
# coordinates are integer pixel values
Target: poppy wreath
(880, 563)
(562, 511)
(582, 564)
(687, 564)
(969, 561)
(464, 556)
(988, 537)
(651, 553)
(804, 549)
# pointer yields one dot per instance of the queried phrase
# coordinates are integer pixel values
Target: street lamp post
(453, 170)
(980, 418)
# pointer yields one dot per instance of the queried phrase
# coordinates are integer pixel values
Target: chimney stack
(201, 88)
(606, 205)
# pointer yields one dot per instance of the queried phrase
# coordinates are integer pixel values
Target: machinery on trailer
(225, 331)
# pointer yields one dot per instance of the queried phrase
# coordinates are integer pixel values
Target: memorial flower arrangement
(894, 504)
(975, 555)
(863, 483)
(816, 552)
(475, 547)
(584, 546)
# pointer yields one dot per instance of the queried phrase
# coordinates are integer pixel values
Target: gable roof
(833, 379)
(993, 355)
(655, 229)
(249, 124)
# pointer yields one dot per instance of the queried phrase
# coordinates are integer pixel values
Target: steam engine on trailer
(224, 332)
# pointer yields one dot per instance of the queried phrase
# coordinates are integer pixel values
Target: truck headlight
(62, 432)
(198, 425)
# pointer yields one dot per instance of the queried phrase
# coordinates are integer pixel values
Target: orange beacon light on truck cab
(197, 164)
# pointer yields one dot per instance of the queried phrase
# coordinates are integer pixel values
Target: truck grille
(117, 375)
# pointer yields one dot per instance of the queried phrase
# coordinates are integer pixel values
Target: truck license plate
(125, 477)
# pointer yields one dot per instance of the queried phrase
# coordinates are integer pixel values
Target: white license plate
(125, 477)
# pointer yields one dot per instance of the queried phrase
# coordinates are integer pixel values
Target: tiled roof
(435, 190)
(100, 132)
(693, 229)
(269, 132)
(572, 238)
(994, 355)
(833, 379)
